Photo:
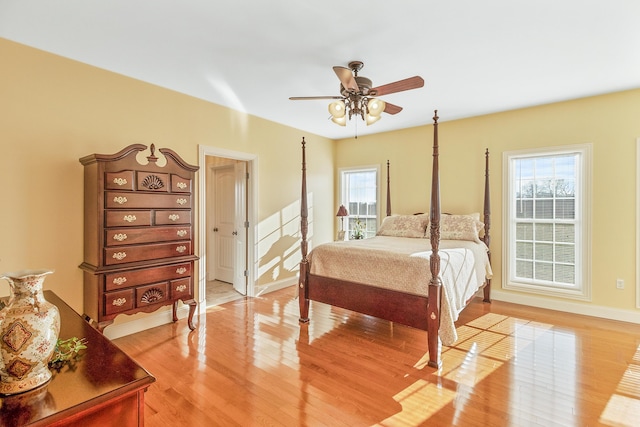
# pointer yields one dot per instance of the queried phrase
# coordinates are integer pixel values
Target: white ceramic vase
(29, 328)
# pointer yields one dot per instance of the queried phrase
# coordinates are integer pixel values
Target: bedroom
(55, 110)
(52, 102)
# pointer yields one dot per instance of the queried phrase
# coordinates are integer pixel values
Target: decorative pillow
(404, 226)
(460, 227)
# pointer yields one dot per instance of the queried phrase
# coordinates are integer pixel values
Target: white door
(241, 178)
(224, 229)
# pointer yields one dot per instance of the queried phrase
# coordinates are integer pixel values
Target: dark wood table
(104, 387)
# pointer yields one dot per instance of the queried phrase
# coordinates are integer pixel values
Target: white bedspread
(402, 264)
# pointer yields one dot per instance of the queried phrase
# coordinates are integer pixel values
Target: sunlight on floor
(483, 346)
(419, 401)
(623, 409)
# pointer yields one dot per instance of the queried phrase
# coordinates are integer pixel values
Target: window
(547, 231)
(359, 194)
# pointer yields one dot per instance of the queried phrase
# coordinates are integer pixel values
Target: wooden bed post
(487, 221)
(435, 285)
(303, 292)
(388, 191)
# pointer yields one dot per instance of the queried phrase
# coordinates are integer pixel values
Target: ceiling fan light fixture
(358, 95)
(337, 109)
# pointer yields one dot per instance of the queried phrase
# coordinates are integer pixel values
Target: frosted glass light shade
(371, 119)
(342, 121)
(337, 109)
(375, 107)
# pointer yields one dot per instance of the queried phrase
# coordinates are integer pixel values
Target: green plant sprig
(66, 351)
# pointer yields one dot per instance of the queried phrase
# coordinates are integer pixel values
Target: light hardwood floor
(250, 362)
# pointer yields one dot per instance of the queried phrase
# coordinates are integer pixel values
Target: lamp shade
(371, 119)
(342, 211)
(342, 121)
(337, 109)
(375, 107)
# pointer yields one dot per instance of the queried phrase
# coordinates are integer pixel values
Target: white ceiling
(476, 57)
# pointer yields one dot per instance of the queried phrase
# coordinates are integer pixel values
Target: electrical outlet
(620, 284)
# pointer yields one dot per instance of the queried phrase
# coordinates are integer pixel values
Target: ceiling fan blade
(346, 78)
(392, 109)
(399, 86)
(306, 98)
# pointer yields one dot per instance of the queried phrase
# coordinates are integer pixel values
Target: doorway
(226, 225)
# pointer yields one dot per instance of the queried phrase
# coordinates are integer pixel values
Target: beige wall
(54, 111)
(610, 122)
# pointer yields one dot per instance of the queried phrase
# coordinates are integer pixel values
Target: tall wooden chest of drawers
(138, 233)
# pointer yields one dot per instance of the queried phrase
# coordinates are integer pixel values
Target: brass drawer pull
(181, 233)
(181, 288)
(174, 217)
(119, 302)
(129, 218)
(181, 185)
(181, 270)
(181, 248)
(119, 280)
(120, 181)
(181, 201)
(121, 200)
(119, 255)
(120, 237)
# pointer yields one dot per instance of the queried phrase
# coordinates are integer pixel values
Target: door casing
(252, 197)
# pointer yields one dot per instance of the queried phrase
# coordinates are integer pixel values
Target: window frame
(343, 196)
(583, 197)
(638, 222)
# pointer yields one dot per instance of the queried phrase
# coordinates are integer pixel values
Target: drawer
(119, 301)
(151, 294)
(172, 217)
(150, 181)
(119, 180)
(181, 288)
(180, 184)
(118, 218)
(126, 279)
(124, 200)
(126, 254)
(131, 236)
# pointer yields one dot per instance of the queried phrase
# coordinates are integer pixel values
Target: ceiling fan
(358, 97)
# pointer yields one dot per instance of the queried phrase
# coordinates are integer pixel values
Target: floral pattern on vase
(29, 329)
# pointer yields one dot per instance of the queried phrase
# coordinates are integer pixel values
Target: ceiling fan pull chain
(356, 124)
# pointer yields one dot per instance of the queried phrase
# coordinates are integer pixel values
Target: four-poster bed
(394, 276)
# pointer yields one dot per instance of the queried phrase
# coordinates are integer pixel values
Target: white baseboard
(275, 286)
(568, 306)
